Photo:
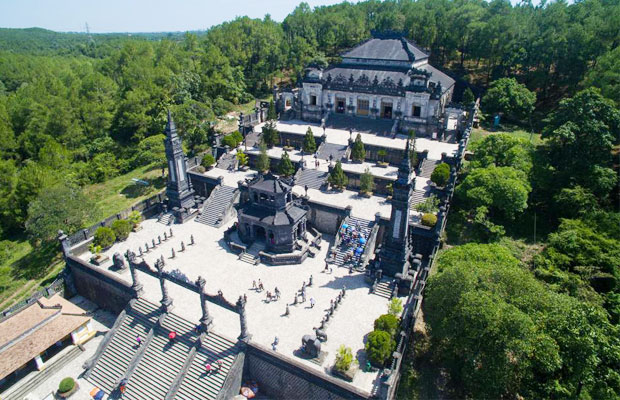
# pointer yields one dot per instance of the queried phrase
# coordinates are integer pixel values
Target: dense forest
(78, 109)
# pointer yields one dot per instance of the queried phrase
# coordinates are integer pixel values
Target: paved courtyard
(210, 258)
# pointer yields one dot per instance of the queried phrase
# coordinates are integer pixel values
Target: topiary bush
(208, 161)
(379, 347)
(344, 358)
(104, 237)
(441, 174)
(429, 220)
(387, 323)
(121, 229)
(66, 385)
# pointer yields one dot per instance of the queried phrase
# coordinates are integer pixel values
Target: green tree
(605, 75)
(121, 228)
(242, 158)
(104, 237)
(59, 207)
(151, 150)
(271, 136)
(271, 111)
(388, 323)
(367, 182)
(468, 97)
(509, 97)
(344, 358)
(441, 174)
(208, 160)
(337, 178)
(286, 168)
(263, 164)
(379, 347)
(358, 153)
(309, 145)
(503, 150)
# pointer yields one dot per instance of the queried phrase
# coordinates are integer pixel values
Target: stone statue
(191, 239)
(173, 255)
(170, 232)
(146, 246)
(158, 239)
(118, 261)
(182, 246)
(311, 345)
(320, 335)
(165, 236)
(244, 335)
(153, 243)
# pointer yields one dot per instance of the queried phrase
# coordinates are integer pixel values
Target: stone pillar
(206, 321)
(39, 362)
(166, 301)
(64, 244)
(136, 286)
(245, 336)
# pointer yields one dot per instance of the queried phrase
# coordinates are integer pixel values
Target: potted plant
(367, 183)
(134, 219)
(390, 189)
(98, 258)
(345, 366)
(242, 158)
(208, 161)
(381, 163)
(67, 387)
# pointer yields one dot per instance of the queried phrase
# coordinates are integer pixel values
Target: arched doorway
(259, 233)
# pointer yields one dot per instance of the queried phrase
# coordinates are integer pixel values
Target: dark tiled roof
(386, 49)
(270, 183)
(438, 76)
(273, 217)
(357, 72)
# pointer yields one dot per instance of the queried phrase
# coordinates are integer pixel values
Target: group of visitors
(353, 239)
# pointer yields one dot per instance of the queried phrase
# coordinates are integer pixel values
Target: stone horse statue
(311, 345)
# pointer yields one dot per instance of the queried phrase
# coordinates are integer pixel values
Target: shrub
(430, 205)
(358, 153)
(208, 161)
(263, 163)
(134, 218)
(395, 307)
(379, 347)
(237, 136)
(121, 229)
(344, 358)
(441, 174)
(309, 142)
(286, 168)
(429, 220)
(387, 323)
(242, 158)
(382, 153)
(337, 177)
(66, 385)
(230, 141)
(104, 237)
(367, 182)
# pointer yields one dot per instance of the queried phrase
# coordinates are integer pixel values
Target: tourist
(139, 340)
(208, 368)
(123, 385)
(171, 336)
(311, 302)
(326, 267)
(277, 292)
(254, 285)
(245, 298)
(219, 365)
(275, 343)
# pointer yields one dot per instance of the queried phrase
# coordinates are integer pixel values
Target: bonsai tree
(358, 153)
(382, 153)
(379, 347)
(208, 161)
(285, 168)
(395, 307)
(66, 385)
(309, 145)
(263, 164)
(441, 174)
(387, 323)
(271, 136)
(121, 229)
(344, 358)
(429, 220)
(337, 177)
(134, 219)
(104, 237)
(367, 182)
(242, 158)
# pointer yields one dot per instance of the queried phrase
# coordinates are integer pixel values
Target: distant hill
(43, 41)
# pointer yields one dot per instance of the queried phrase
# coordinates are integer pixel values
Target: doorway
(259, 233)
(386, 110)
(340, 104)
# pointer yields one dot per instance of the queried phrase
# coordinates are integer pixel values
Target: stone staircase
(50, 369)
(166, 219)
(162, 360)
(342, 249)
(337, 151)
(213, 348)
(417, 197)
(227, 161)
(313, 178)
(119, 352)
(216, 206)
(248, 258)
(384, 289)
(427, 167)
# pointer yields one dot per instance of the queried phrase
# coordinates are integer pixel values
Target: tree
(286, 168)
(121, 229)
(468, 97)
(151, 150)
(581, 134)
(242, 158)
(271, 111)
(367, 182)
(509, 97)
(502, 190)
(271, 136)
(503, 150)
(441, 174)
(263, 163)
(104, 237)
(344, 358)
(388, 323)
(337, 178)
(208, 160)
(357, 151)
(395, 307)
(605, 75)
(500, 332)
(382, 153)
(59, 207)
(379, 347)
(309, 145)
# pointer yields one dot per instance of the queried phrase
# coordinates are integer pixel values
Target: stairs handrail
(370, 246)
(235, 196)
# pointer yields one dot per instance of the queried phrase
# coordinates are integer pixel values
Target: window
(417, 111)
(362, 107)
(312, 100)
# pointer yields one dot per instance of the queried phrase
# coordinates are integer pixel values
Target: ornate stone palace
(386, 77)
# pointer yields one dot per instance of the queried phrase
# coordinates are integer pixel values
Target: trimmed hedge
(207, 161)
(429, 220)
(379, 347)
(66, 385)
(387, 323)
(441, 174)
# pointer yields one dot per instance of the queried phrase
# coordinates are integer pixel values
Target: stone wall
(232, 384)
(326, 218)
(203, 185)
(99, 286)
(285, 378)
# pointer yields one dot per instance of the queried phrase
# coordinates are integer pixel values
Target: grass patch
(230, 122)
(121, 192)
(478, 134)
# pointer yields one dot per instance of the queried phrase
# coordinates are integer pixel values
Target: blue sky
(138, 15)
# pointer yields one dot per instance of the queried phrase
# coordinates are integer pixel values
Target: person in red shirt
(172, 335)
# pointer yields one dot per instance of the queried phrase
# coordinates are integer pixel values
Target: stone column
(245, 336)
(136, 286)
(206, 321)
(64, 244)
(166, 301)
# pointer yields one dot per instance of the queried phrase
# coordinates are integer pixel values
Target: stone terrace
(210, 258)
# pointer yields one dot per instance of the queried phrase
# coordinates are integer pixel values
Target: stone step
(311, 177)
(216, 205)
(384, 289)
(248, 258)
(427, 167)
(166, 219)
(360, 224)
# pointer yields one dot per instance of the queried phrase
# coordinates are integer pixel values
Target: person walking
(312, 302)
(171, 336)
(139, 340)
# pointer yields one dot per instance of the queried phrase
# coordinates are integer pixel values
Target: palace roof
(387, 49)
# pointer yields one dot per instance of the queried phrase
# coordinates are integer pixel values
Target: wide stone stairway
(343, 248)
(427, 167)
(313, 178)
(216, 205)
(122, 347)
(384, 289)
(336, 151)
